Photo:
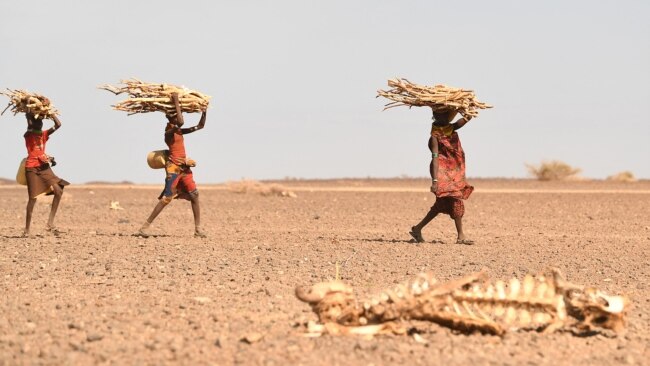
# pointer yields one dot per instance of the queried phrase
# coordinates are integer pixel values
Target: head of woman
(34, 123)
(444, 117)
(171, 121)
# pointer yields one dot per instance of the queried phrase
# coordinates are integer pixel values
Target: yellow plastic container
(21, 177)
(157, 159)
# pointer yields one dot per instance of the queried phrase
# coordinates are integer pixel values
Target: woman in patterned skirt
(447, 171)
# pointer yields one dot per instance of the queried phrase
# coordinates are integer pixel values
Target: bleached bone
(469, 304)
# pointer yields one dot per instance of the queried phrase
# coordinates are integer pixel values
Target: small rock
(78, 326)
(202, 299)
(94, 337)
(253, 337)
(76, 346)
(218, 343)
(418, 338)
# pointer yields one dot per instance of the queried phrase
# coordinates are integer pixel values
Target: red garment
(176, 144)
(185, 185)
(35, 143)
(179, 182)
(451, 206)
(451, 164)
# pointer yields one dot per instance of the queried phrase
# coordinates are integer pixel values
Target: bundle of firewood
(22, 101)
(438, 97)
(151, 97)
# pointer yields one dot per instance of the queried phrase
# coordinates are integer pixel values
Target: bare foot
(144, 230)
(465, 241)
(416, 234)
(26, 234)
(53, 230)
(199, 233)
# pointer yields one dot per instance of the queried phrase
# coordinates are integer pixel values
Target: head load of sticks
(439, 97)
(156, 97)
(22, 101)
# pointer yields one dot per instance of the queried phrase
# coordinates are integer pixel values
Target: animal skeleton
(438, 97)
(472, 303)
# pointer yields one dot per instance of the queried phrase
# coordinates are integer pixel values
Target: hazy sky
(294, 84)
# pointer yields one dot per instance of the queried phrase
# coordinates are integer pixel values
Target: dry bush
(625, 176)
(252, 186)
(553, 170)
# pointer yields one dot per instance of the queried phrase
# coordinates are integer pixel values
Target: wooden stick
(22, 101)
(152, 97)
(438, 98)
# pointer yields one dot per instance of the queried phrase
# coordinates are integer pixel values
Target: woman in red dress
(179, 181)
(447, 171)
(40, 177)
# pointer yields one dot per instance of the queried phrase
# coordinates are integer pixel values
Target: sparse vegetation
(252, 186)
(625, 176)
(553, 170)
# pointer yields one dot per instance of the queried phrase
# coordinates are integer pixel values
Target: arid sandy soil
(97, 294)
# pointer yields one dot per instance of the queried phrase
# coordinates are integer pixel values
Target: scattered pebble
(418, 338)
(202, 299)
(253, 337)
(94, 337)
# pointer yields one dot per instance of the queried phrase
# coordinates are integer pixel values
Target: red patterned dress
(452, 186)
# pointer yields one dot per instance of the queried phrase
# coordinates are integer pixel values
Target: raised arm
(433, 167)
(179, 112)
(197, 127)
(57, 125)
(30, 120)
(461, 122)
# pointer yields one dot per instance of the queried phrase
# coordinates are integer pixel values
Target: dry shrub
(252, 186)
(625, 176)
(553, 170)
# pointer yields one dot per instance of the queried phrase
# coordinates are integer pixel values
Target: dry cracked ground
(98, 295)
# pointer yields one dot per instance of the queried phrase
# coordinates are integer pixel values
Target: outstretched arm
(197, 127)
(461, 122)
(433, 166)
(57, 125)
(179, 112)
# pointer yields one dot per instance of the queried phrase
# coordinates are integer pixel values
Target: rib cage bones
(471, 303)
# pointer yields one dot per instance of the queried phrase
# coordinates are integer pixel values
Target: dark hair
(446, 115)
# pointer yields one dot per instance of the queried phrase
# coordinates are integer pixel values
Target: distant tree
(625, 176)
(553, 170)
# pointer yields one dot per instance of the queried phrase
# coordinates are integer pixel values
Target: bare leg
(28, 217)
(426, 220)
(58, 193)
(156, 211)
(196, 210)
(461, 235)
(459, 228)
(416, 231)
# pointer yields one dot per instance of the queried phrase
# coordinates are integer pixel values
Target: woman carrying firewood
(179, 181)
(447, 169)
(40, 177)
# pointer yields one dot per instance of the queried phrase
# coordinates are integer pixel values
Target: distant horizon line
(7, 181)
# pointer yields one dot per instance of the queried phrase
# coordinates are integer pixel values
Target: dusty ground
(99, 295)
